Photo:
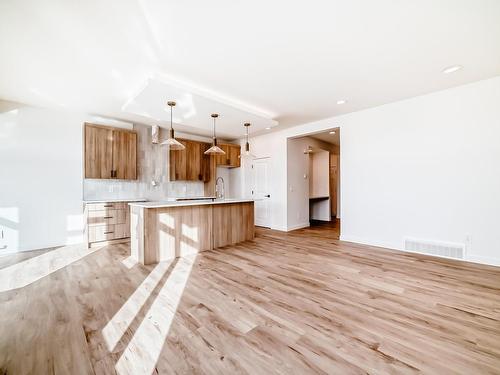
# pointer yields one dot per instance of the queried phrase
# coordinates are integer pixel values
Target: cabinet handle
(108, 217)
(108, 205)
(108, 232)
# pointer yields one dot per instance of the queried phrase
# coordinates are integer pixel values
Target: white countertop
(187, 203)
(114, 200)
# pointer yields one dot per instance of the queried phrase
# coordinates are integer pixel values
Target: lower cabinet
(107, 221)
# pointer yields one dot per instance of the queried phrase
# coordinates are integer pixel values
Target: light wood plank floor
(287, 303)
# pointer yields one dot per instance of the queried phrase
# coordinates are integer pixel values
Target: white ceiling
(289, 60)
(193, 109)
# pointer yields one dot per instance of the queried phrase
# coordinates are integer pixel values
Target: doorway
(313, 197)
(261, 192)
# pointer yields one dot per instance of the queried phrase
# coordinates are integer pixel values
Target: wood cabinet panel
(110, 152)
(231, 158)
(234, 156)
(107, 221)
(125, 155)
(223, 159)
(190, 164)
(178, 163)
(98, 152)
(233, 223)
(176, 231)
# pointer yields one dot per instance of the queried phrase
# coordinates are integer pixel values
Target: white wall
(41, 178)
(426, 167)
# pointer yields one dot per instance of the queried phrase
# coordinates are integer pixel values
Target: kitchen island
(166, 230)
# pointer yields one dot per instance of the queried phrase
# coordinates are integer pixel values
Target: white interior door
(261, 192)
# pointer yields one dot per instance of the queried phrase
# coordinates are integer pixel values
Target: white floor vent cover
(447, 250)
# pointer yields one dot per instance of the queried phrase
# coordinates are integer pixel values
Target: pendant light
(247, 144)
(214, 149)
(173, 143)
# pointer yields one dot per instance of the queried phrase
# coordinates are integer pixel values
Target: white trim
(469, 257)
(483, 260)
(297, 226)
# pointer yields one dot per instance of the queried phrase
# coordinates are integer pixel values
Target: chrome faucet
(219, 193)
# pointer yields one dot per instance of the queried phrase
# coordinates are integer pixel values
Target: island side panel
(137, 233)
(233, 223)
(172, 232)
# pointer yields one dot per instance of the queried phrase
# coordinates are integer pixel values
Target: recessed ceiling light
(332, 132)
(268, 128)
(341, 101)
(452, 69)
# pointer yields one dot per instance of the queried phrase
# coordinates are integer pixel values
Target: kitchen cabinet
(190, 164)
(106, 222)
(231, 159)
(110, 152)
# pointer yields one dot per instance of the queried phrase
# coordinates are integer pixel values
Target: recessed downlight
(332, 132)
(452, 69)
(268, 128)
(341, 101)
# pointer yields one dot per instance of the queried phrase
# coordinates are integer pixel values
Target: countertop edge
(186, 203)
(90, 201)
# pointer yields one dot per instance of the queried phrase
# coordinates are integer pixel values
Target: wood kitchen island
(166, 230)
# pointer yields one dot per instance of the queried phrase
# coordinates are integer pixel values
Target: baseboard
(469, 257)
(483, 260)
(297, 226)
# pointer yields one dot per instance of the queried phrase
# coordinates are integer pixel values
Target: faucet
(219, 193)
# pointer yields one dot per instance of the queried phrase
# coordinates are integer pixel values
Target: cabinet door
(98, 152)
(206, 161)
(223, 159)
(194, 155)
(125, 155)
(178, 163)
(234, 155)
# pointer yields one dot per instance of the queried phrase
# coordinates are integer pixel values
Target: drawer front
(101, 233)
(102, 217)
(107, 217)
(107, 206)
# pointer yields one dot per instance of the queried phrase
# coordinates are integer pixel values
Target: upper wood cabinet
(232, 157)
(110, 152)
(190, 164)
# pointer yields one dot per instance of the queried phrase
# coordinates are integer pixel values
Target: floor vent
(441, 249)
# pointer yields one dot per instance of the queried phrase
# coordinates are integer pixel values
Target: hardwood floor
(289, 303)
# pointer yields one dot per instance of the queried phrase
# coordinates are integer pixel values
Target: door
(124, 155)
(98, 152)
(261, 192)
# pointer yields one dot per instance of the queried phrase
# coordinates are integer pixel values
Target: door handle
(267, 196)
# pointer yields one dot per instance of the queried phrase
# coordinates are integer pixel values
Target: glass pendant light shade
(173, 143)
(214, 150)
(247, 152)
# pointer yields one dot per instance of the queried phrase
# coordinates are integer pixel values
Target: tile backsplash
(153, 176)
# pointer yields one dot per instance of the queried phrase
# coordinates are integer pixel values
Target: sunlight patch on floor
(143, 351)
(118, 325)
(28, 271)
